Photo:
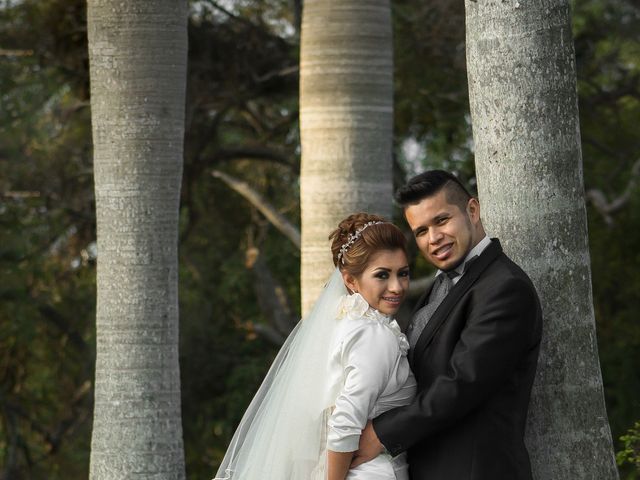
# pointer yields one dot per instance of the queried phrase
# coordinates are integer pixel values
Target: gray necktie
(441, 287)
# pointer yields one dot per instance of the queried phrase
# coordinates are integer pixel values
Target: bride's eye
(382, 275)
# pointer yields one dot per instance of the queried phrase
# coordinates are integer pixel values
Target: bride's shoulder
(358, 323)
(354, 313)
(357, 320)
(352, 307)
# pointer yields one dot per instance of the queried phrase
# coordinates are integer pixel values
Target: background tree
(346, 124)
(524, 110)
(47, 230)
(242, 120)
(609, 89)
(138, 54)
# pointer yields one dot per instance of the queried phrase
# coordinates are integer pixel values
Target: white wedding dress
(343, 364)
(370, 372)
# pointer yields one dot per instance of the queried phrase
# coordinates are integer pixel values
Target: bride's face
(384, 281)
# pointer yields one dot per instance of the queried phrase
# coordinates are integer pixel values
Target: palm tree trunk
(346, 122)
(138, 54)
(522, 86)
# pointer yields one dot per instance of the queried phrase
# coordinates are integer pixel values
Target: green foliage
(630, 453)
(431, 96)
(607, 39)
(46, 339)
(47, 293)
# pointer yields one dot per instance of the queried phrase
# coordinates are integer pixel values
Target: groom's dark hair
(430, 183)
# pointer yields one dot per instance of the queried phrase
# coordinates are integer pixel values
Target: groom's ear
(473, 210)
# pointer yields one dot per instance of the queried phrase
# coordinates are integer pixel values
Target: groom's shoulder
(503, 266)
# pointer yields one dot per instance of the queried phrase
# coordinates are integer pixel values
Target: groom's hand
(369, 446)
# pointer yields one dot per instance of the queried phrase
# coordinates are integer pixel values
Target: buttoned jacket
(475, 363)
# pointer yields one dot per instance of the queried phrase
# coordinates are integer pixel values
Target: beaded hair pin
(351, 239)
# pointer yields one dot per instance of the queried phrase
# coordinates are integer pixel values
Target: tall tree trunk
(346, 123)
(138, 54)
(522, 86)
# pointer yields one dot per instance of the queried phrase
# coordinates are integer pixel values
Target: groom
(474, 338)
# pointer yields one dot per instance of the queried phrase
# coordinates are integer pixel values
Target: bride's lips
(441, 253)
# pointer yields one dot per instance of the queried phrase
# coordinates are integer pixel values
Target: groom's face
(444, 232)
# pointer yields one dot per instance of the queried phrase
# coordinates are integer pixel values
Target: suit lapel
(442, 312)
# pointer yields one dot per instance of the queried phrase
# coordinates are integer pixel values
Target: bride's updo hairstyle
(359, 236)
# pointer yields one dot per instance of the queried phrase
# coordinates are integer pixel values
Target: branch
(607, 208)
(272, 298)
(277, 305)
(269, 333)
(77, 415)
(254, 198)
(51, 314)
(20, 194)
(283, 72)
(230, 14)
(15, 53)
(225, 11)
(253, 154)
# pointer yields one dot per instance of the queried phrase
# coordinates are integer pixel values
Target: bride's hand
(369, 446)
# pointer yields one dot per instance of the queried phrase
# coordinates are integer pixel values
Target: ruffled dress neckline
(355, 307)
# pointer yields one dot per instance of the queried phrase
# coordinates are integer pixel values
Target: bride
(342, 365)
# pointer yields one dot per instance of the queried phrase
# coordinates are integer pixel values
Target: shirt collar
(474, 252)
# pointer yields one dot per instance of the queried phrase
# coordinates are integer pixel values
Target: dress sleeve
(368, 355)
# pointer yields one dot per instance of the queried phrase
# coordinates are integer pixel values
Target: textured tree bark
(346, 121)
(522, 86)
(138, 54)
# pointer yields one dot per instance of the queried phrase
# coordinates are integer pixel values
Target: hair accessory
(351, 239)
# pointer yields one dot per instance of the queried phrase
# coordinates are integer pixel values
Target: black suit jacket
(474, 363)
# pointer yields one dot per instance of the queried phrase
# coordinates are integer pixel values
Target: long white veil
(281, 436)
